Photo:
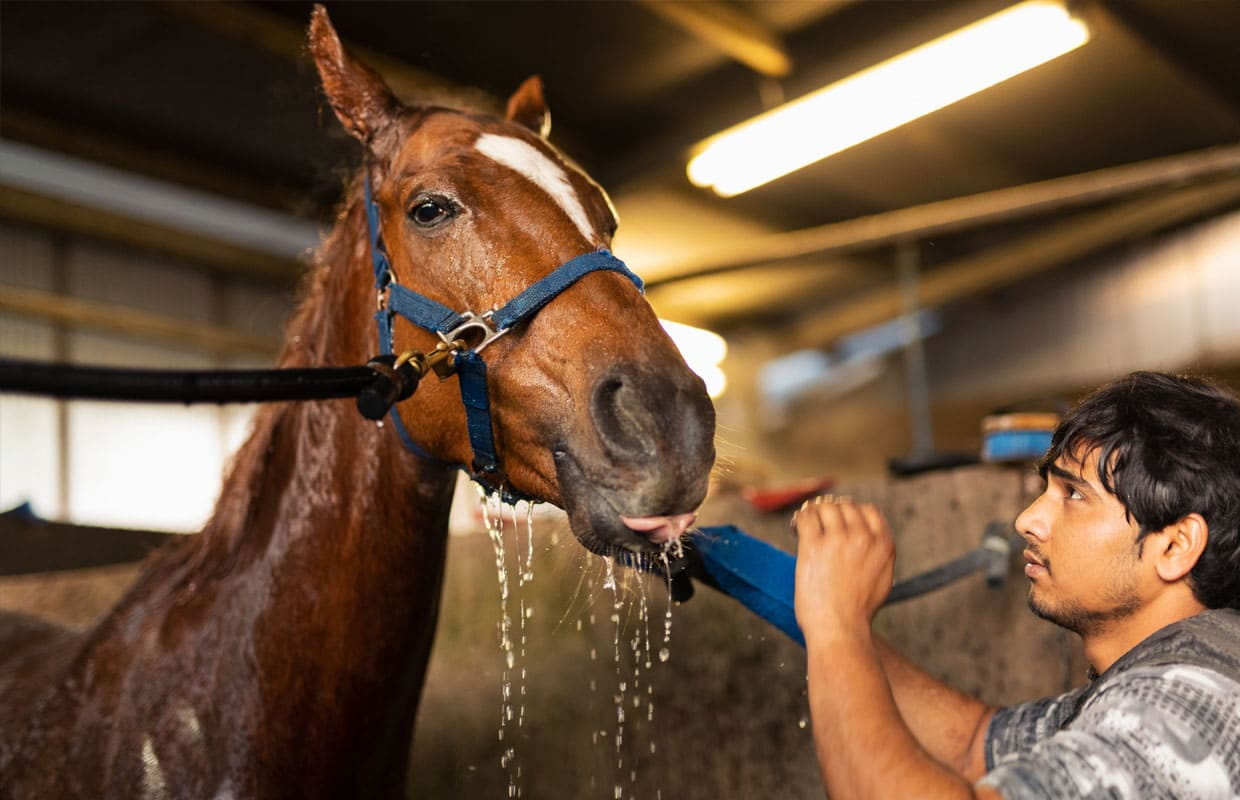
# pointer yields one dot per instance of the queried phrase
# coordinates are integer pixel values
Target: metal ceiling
(222, 97)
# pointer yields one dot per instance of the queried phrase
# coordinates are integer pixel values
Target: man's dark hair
(1167, 446)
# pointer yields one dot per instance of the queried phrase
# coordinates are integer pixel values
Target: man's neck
(1106, 646)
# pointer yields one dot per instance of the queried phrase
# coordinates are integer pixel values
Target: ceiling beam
(1127, 19)
(962, 213)
(729, 29)
(76, 313)
(1063, 242)
(23, 126)
(56, 214)
(777, 293)
(285, 39)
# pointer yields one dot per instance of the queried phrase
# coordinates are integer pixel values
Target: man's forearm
(949, 725)
(864, 747)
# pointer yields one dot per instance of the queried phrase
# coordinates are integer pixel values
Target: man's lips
(1035, 565)
(660, 529)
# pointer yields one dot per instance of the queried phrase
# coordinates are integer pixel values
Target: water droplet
(801, 722)
(509, 658)
(664, 654)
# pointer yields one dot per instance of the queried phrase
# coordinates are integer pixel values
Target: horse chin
(594, 519)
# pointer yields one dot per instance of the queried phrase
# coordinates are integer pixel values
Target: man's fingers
(875, 520)
(839, 517)
(851, 518)
(806, 521)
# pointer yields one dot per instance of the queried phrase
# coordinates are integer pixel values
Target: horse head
(592, 407)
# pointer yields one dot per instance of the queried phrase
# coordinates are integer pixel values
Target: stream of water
(633, 689)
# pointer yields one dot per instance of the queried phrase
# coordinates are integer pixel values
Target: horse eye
(429, 212)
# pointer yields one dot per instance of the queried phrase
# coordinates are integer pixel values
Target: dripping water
(493, 520)
(616, 606)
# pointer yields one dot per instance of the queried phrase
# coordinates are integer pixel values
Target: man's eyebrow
(1067, 477)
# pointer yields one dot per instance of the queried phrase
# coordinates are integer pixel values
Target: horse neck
(331, 537)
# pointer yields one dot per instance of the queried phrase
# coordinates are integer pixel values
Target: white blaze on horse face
(544, 173)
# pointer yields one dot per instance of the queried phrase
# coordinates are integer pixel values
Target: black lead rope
(377, 385)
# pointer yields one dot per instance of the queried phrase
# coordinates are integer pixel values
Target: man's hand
(845, 557)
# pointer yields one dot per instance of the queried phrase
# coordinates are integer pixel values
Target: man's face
(1082, 558)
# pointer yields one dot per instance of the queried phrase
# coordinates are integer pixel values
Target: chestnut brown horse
(281, 652)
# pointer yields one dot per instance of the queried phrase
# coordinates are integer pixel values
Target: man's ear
(362, 101)
(1180, 545)
(528, 107)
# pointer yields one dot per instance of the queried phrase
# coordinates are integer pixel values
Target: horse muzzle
(634, 480)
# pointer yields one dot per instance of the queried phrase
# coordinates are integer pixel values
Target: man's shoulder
(1166, 724)
(1208, 640)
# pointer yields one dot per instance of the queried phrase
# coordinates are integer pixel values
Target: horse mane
(322, 331)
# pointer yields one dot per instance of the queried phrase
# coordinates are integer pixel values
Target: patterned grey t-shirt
(1162, 722)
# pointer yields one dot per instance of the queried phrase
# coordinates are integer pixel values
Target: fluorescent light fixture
(703, 350)
(885, 96)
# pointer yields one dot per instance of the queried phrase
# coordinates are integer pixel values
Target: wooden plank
(73, 312)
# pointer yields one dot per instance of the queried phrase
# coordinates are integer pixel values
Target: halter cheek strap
(449, 325)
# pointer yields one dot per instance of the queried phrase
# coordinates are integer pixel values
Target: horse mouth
(613, 520)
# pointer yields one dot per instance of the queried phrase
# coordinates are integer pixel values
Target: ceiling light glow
(703, 351)
(885, 96)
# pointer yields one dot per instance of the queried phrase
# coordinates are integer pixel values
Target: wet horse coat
(281, 652)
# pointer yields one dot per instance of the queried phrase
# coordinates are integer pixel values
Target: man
(1134, 545)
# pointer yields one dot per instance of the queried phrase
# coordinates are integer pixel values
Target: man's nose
(1032, 521)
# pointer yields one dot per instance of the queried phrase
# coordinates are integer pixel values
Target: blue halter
(450, 325)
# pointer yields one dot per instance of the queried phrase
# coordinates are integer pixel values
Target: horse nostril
(624, 423)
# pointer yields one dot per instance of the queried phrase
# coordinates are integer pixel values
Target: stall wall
(121, 464)
(1164, 303)
(725, 716)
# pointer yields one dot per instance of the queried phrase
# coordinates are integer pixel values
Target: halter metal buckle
(469, 329)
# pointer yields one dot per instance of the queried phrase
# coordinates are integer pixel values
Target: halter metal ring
(470, 327)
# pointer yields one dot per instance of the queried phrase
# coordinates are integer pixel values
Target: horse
(281, 651)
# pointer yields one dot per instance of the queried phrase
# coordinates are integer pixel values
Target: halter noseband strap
(449, 325)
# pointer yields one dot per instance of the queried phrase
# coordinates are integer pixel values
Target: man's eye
(1075, 494)
(429, 212)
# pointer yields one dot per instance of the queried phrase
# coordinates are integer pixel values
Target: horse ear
(362, 101)
(528, 107)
